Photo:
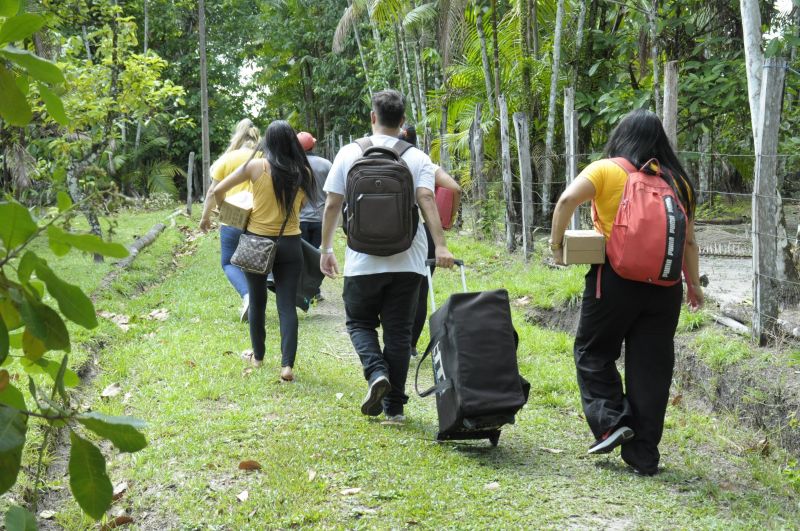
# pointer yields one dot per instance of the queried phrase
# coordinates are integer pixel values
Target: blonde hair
(245, 135)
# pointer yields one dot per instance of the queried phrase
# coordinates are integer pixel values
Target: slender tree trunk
(74, 172)
(754, 57)
(496, 53)
(535, 28)
(86, 43)
(421, 84)
(524, 27)
(578, 44)
(705, 166)
(399, 59)
(487, 72)
(551, 112)
(477, 149)
(508, 185)
(201, 10)
(652, 14)
(444, 156)
(412, 94)
(144, 47)
(361, 54)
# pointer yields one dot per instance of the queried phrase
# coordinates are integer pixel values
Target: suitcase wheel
(494, 438)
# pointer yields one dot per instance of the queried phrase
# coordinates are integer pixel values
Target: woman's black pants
(644, 317)
(286, 271)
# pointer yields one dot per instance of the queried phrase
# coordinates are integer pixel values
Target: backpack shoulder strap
(364, 143)
(625, 164)
(401, 146)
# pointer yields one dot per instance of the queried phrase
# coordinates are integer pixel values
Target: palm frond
(161, 177)
(343, 29)
(420, 16)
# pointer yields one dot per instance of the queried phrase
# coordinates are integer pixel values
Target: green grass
(725, 209)
(719, 350)
(206, 413)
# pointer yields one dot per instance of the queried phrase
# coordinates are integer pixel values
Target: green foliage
(720, 351)
(18, 519)
(29, 324)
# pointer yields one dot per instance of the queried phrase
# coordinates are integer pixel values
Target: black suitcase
(473, 348)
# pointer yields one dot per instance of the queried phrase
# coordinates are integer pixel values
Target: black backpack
(380, 209)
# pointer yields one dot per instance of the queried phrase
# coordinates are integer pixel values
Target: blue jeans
(387, 300)
(229, 239)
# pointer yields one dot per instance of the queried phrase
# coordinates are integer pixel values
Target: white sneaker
(245, 308)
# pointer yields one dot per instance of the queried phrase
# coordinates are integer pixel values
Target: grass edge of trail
(206, 415)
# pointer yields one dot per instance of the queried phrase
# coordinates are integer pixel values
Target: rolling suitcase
(473, 349)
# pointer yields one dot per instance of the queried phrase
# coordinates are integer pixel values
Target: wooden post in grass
(201, 14)
(765, 202)
(570, 146)
(670, 118)
(508, 189)
(189, 177)
(341, 142)
(526, 176)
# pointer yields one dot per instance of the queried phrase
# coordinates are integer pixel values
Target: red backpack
(649, 231)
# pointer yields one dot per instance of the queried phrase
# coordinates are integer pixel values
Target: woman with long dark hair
(281, 182)
(615, 309)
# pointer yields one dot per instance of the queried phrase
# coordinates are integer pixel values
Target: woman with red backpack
(643, 202)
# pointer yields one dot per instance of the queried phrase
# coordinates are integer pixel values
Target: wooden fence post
(341, 142)
(670, 118)
(204, 96)
(570, 145)
(189, 177)
(526, 177)
(705, 167)
(765, 202)
(508, 189)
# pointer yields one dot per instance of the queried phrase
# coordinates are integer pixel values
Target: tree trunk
(74, 172)
(487, 72)
(670, 119)
(477, 149)
(412, 94)
(551, 113)
(525, 38)
(508, 186)
(496, 53)
(651, 15)
(535, 28)
(361, 54)
(423, 107)
(754, 57)
(86, 43)
(444, 156)
(201, 10)
(138, 139)
(705, 166)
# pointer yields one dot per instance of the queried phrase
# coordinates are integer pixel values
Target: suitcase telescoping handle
(432, 262)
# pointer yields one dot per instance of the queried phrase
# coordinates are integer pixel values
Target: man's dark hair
(390, 107)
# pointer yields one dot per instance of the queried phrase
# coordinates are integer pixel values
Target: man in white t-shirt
(382, 290)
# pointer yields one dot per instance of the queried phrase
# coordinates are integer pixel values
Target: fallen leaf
(249, 465)
(194, 320)
(243, 496)
(677, 400)
(524, 301)
(761, 447)
(126, 398)
(551, 450)
(228, 353)
(159, 314)
(112, 390)
(339, 396)
(117, 522)
(120, 489)
(361, 511)
(47, 515)
(4, 378)
(122, 321)
(253, 513)
(312, 475)
(351, 491)
(492, 486)
(191, 364)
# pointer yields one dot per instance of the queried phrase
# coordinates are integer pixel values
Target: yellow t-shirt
(227, 164)
(609, 180)
(267, 217)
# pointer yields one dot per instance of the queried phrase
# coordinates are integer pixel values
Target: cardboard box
(235, 210)
(584, 247)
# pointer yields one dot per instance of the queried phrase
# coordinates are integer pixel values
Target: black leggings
(287, 268)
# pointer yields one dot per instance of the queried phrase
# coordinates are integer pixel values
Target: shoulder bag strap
(288, 214)
(364, 143)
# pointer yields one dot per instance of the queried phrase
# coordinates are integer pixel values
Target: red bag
(444, 203)
(649, 232)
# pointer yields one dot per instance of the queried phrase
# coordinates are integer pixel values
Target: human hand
(558, 256)
(328, 265)
(444, 258)
(695, 297)
(205, 224)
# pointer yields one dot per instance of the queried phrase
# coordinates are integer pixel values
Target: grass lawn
(325, 465)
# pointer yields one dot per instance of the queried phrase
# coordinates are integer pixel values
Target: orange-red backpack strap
(625, 164)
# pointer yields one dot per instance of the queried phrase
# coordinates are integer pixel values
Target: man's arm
(427, 204)
(330, 219)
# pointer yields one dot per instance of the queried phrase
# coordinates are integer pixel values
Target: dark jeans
(228, 240)
(312, 232)
(388, 300)
(422, 301)
(645, 318)
(288, 264)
